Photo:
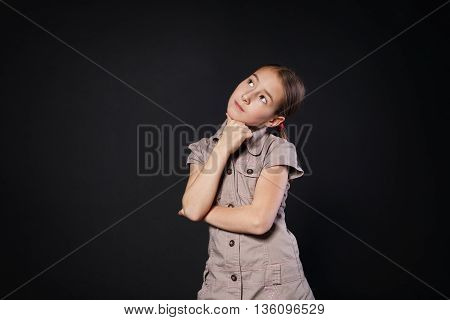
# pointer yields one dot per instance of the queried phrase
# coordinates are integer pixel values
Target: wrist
(222, 148)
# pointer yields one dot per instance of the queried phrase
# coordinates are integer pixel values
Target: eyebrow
(254, 74)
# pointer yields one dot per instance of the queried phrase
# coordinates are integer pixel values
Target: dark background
(376, 150)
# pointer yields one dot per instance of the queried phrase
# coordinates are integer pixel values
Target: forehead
(270, 81)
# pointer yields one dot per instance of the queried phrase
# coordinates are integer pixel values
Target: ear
(275, 121)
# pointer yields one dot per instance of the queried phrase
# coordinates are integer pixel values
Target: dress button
(231, 243)
(230, 205)
(233, 277)
(229, 171)
(249, 171)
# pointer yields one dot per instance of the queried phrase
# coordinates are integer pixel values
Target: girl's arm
(203, 181)
(202, 186)
(258, 217)
(239, 219)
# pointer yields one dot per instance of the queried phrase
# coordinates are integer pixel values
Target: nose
(244, 98)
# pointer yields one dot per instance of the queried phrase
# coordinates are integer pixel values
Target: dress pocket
(248, 171)
(272, 282)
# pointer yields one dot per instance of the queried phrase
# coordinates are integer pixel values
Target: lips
(238, 106)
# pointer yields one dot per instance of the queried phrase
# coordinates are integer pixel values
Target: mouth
(238, 106)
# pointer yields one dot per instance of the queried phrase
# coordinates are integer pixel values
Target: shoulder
(198, 151)
(282, 152)
(199, 144)
(275, 144)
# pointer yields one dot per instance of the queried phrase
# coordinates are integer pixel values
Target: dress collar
(254, 144)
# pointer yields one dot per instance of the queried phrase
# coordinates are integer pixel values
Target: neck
(255, 128)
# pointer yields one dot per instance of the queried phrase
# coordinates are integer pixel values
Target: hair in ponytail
(282, 130)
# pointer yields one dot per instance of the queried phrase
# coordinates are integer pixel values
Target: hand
(234, 133)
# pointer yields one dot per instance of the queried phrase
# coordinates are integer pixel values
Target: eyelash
(260, 95)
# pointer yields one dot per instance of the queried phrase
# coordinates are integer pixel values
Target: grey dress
(246, 266)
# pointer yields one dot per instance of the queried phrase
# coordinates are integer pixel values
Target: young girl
(238, 184)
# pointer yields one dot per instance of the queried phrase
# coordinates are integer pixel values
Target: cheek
(258, 115)
(237, 93)
(262, 110)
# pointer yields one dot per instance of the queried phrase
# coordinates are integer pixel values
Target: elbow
(263, 220)
(195, 217)
(192, 213)
(187, 209)
(261, 226)
(193, 210)
(260, 229)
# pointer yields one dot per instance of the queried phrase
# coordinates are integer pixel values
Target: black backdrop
(76, 219)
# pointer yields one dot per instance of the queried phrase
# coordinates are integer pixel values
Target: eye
(264, 98)
(250, 82)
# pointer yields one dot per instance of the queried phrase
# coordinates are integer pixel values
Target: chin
(235, 114)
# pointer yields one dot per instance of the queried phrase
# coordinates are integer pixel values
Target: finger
(229, 117)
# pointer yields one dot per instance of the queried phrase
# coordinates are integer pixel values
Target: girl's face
(258, 96)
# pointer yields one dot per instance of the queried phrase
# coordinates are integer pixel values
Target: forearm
(242, 219)
(199, 196)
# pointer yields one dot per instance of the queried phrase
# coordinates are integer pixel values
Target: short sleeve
(284, 153)
(198, 151)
